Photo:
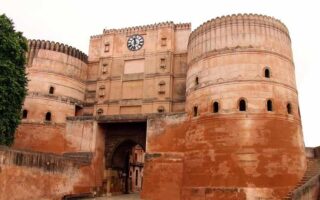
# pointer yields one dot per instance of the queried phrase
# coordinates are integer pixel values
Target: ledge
(64, 99)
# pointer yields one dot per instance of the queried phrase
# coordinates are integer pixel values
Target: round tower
(56, 89)
(242, 101)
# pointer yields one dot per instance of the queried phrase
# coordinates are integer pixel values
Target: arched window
(51, 90)
(289, 108)
(196, 81)
(100, 111)
(242, 105)
(195, 111)
(269, 105)
(162, 83)
(160, 109)
(267, 72)
(48, 116)
(24, 114)
(215, 106)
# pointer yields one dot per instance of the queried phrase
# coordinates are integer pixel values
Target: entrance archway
(128, 160)
(124, 157)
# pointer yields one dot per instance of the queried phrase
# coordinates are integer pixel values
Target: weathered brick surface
(36, 175)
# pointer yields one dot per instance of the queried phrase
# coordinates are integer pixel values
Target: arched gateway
(124, 157)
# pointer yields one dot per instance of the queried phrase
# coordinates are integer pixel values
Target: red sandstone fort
(178, 115)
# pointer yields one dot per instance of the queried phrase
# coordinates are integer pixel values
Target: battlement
(252, 19)
(227, 33)
(59, 47)
(169, 24)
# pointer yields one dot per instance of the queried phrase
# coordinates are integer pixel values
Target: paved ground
(120, 197)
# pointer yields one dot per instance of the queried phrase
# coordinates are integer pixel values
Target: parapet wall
(239, 31)
(135, 29)
(59, 47)
(45, 161)
(36, 175)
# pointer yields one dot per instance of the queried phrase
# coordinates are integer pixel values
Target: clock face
(135, 42)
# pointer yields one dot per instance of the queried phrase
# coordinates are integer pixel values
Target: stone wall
(52, 175)
(35, 175)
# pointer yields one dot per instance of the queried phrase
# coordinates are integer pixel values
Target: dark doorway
(48, 116)
(242, 105)
(78, 111)
(215, 107)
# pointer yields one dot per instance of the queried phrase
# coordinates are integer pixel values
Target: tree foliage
(13, 80)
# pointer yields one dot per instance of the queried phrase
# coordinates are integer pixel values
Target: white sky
(73, 21)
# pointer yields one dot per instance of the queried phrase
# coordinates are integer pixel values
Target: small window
(162, 87)
(269, 105)
(160, 109)
(107, 47)
(195, 111)
(267, 73)
(51, 90)
(48, 116)
(24, 114)
(162, 83)
(289, 108)
(163, 41)
(196, 81)
(162, 63)
(101, 91)
(215, 107)
(100, 111)
(104, 68)
(242, 105)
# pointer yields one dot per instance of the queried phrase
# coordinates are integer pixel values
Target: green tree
(13, 80)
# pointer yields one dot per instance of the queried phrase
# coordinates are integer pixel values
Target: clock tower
(138, 70)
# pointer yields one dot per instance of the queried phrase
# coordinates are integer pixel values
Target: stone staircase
(311, 177)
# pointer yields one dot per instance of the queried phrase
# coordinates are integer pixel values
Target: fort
(159, 109)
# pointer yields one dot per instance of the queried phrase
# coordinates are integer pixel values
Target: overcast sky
(73, 21)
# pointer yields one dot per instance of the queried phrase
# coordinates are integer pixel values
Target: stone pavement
(119, 197)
